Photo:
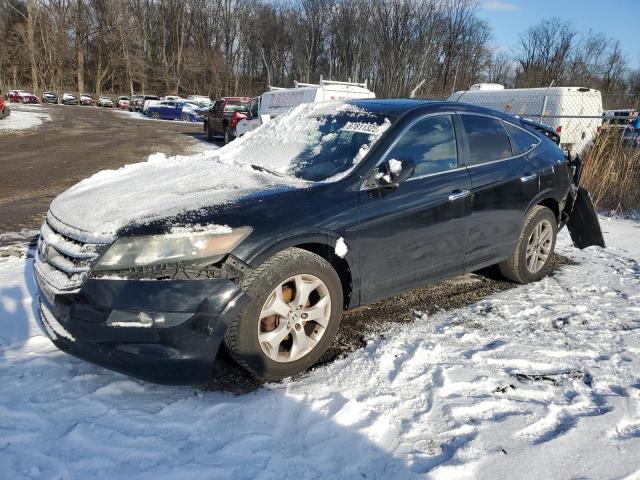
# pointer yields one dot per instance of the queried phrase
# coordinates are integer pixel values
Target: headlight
(131, 252)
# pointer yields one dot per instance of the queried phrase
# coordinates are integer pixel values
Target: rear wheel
(293, 315)
(155, 115)
(532, 257)
(228, 136)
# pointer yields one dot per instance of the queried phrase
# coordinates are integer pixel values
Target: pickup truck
(223, 117)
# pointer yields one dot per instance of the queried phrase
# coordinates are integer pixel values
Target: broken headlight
(187, 247)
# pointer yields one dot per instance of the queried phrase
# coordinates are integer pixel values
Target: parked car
(69, 99)
(49, 97)
(631, 134)
(195, 110)
(5, 110)
(123, 102)
(133, 102)
(87, 100)
(278, 100)
(328, 207)
(21, 96)
(104, 102)
(138, 102)
(167, 110)
(223, 116)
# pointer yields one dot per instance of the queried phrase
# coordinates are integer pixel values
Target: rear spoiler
(546, 130)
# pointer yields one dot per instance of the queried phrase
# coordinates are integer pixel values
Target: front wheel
(155, 116)
(532, 257)
(294, 314)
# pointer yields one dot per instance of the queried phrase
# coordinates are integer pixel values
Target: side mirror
(392, 172)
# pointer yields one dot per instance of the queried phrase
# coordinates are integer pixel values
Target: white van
(574, 112)
(278, 100)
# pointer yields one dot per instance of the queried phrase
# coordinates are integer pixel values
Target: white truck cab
(278, 100)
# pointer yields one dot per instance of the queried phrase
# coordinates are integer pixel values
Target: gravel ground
(39, 163)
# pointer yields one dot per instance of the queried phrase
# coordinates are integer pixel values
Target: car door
(418, 230)
(503, 185)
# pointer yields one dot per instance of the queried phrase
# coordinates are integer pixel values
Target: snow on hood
(161, 187)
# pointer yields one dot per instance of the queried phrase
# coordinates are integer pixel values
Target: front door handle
(527, 177)
(458, 194)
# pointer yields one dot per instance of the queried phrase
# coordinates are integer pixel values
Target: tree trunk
(31, 46)
(80, 47)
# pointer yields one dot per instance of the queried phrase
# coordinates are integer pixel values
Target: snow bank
(542, 381)
(22, 119)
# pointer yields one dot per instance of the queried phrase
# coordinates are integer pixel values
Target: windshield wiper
(263, 169)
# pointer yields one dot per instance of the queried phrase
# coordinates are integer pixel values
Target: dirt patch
(40, 163)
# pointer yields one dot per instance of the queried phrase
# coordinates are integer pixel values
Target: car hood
(111, 200)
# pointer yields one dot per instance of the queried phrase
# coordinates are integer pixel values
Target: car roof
(396, 107)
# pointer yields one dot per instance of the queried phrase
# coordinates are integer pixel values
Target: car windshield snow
(314, 142)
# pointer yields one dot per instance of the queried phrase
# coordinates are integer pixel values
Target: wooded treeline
(239, 47)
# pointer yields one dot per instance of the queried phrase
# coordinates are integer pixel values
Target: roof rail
(324, 82)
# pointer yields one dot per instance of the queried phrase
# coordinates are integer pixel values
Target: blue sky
(618, 19)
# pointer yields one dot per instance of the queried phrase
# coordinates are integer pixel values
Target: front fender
(292, 239)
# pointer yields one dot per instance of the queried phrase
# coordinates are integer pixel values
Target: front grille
(62, 261)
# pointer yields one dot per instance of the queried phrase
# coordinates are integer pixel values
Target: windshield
(315, 142)
(236, 106)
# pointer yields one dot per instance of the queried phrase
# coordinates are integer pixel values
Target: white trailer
(278, 100)
(574, 112)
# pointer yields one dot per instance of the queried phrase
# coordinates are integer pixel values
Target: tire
(155, 115)
(241, 338)
(209, 133)
(185, 117)
(228, 135)
(523, 268)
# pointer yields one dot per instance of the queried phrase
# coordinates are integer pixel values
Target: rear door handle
(527, 177)
(458, 194)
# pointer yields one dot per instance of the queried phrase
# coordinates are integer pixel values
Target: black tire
(155, 115)
(241, 338)
(228, 136)
(515, 267)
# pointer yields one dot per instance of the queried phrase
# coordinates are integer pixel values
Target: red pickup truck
(223, 116)
(4, 107)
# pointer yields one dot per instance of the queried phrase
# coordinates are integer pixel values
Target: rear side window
(430, 143)
(521, 141)
(488, 140)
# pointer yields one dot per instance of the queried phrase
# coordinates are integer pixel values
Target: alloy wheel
(539, 246)
(294, 318)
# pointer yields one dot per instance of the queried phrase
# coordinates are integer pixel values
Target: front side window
(487, 138)
(521, 141)
(430, 143)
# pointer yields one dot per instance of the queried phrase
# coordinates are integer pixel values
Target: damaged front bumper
(79, 324)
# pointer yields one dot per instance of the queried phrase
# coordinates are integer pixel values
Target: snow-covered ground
(541, 381)
(23, 117)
